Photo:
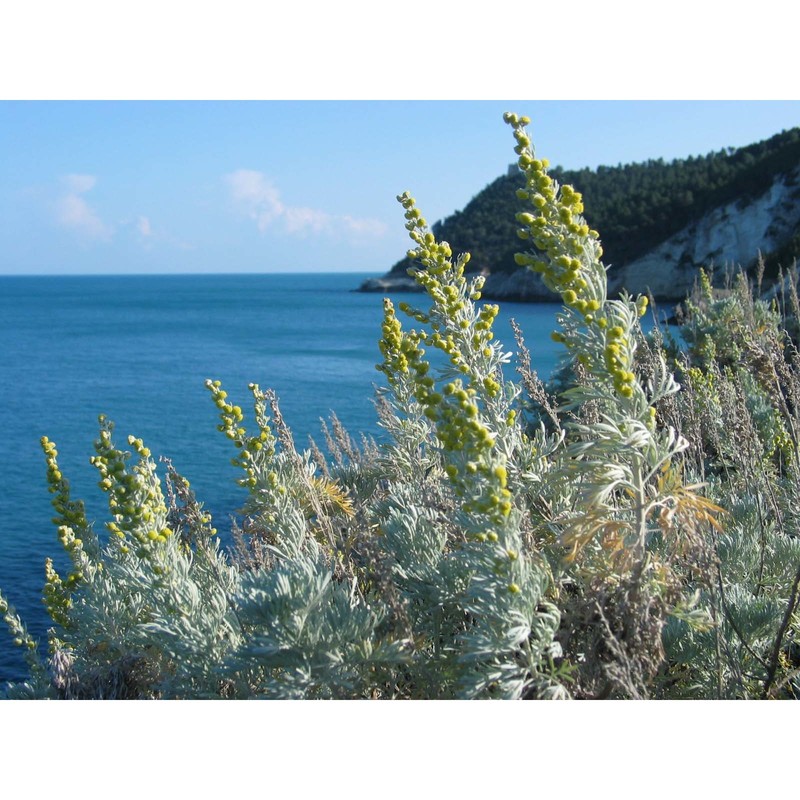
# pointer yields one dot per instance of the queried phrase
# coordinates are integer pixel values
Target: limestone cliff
(729, 236)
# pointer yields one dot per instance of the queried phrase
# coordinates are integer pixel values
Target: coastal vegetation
(633, 536)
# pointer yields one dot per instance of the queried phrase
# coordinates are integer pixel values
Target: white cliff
(728, 236)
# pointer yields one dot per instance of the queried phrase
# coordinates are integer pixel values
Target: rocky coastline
(724, 239)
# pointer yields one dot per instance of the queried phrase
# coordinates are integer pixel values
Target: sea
(138, 349)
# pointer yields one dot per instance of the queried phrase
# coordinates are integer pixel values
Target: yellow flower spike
(523, 259)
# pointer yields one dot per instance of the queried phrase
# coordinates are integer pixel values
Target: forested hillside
(637, 206)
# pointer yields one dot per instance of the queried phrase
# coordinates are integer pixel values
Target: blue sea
(139, 349)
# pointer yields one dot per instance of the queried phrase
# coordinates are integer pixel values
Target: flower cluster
(56, 596)
(75, 534)
(37, 686)
(474, 423)
(135, 499)
(469, 404)
(15, 625)
(254, 452)
(403, 355)
(69, 512)
(566, 252)
(618, 455)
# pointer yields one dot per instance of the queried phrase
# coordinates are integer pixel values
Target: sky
(283, 186)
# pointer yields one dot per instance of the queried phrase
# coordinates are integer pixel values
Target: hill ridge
(653, 218)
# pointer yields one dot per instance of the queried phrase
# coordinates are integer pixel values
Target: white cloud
(74, 213)
(256, 193)
(154, 236)
(78, 184)
(144, 227)
(364, 227)
(260, 199)
(298, 220)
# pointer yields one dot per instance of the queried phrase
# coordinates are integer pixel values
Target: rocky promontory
(744, 203)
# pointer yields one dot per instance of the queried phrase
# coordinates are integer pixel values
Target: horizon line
(179, 274)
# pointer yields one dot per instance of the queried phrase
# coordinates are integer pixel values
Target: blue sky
(281, 186)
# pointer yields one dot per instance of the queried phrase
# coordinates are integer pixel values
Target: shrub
(474, 555)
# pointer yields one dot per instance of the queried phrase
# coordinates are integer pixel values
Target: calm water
(139, 349)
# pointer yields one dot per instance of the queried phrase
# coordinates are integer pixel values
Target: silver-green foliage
(741, 400)
(474, 555)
